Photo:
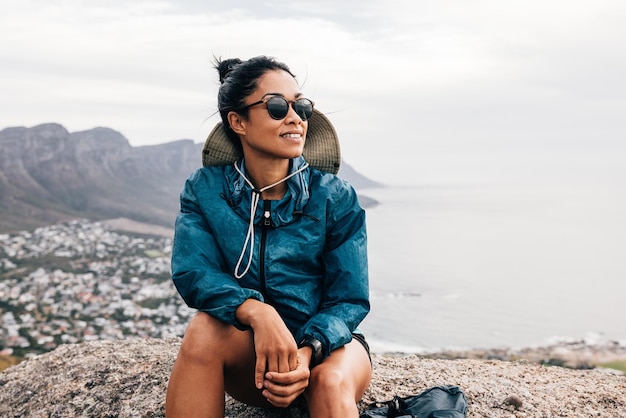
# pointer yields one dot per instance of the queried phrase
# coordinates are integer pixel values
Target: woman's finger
(259, 370)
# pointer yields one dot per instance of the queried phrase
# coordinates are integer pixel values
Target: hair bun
(226, 66)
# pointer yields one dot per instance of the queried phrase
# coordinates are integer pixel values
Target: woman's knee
(346, 373)
(329, 380)
(330, 393)
(204, 339)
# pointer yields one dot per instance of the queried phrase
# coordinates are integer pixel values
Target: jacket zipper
(265, 226)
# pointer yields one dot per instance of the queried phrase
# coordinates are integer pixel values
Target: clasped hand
(281, 370)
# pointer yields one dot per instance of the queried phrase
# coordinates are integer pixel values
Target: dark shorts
(361, 339)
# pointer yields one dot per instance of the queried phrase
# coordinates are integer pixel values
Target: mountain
(49, 175)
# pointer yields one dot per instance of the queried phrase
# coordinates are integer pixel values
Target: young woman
(272, 253)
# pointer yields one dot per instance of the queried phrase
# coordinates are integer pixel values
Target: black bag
(435, 402)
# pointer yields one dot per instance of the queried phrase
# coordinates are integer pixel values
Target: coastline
(571, 354)
(577, 354)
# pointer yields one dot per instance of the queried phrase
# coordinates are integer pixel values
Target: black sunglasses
(278, 107)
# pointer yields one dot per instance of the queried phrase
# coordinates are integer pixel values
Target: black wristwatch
(316, 346)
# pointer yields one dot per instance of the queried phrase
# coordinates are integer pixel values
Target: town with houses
(81, 281)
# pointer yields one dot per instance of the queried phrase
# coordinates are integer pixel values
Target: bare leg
(213, 357)
(336, 385)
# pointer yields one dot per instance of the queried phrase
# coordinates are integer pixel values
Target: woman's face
(265, 138)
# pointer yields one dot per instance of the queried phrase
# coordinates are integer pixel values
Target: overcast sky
(421, 92)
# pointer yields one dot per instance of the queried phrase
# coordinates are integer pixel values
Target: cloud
(438, 77)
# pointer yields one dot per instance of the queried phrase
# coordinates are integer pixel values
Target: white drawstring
(256, 195)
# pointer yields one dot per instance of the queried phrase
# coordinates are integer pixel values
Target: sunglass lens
(277, 107)
(304, 108)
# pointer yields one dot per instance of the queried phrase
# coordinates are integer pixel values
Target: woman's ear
(237, 123)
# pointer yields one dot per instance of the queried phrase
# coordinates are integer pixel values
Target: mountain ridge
(49, 175)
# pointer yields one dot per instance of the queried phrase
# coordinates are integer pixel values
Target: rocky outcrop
(128, 378)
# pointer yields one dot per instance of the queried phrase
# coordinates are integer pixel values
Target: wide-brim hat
(321, 149)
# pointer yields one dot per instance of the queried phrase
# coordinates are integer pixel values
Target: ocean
(496, 265)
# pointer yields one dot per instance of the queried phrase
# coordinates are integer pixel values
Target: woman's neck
(262, 174)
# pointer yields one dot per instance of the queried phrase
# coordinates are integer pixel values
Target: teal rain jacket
(309, 260)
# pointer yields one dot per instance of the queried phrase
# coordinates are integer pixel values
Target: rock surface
(128, 378)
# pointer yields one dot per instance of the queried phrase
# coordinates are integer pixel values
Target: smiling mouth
(292, 136)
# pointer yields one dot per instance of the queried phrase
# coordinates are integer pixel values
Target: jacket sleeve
(198, 267)
(345, 299)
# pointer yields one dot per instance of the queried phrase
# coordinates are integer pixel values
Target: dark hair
(238, 80)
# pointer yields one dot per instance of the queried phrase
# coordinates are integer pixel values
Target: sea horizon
(495, 265)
